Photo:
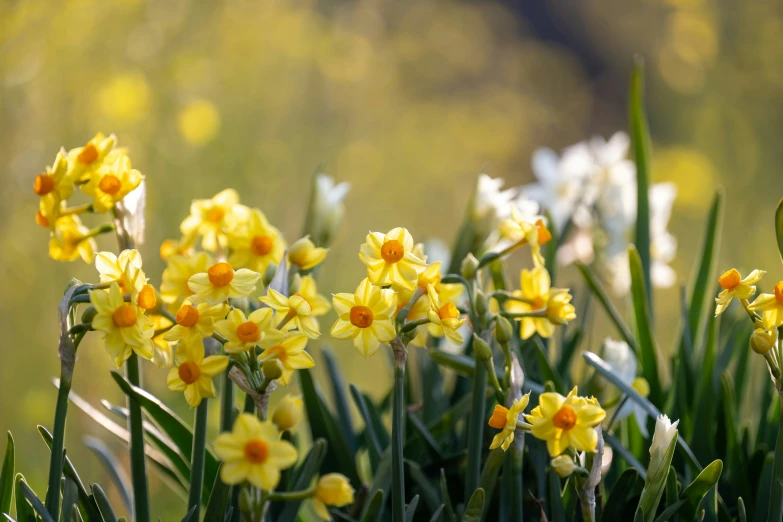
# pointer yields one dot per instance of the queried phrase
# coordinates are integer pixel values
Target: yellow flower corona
(196, 321)
(111, 182)
(332, 489)
(734, 286)
(390, 260)
(220, 282)
(444, 314)
(288, 348)
(505, 419)
(253, 451)
(255, 244)
(243, 333)
(53, 186)
(84, 161)
(193, 373)
(366, 316)
(209, 218)
(293, 312)
(125, 326)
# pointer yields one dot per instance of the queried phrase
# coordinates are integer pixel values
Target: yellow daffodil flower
(124, 269)
(71, 240)
(289, 412)
(174, 288)
(444, 314)
(566, 421)
(520, 231)
(194, 372)
(111, 182)
(53, 186)
(220, 282)
(390, 260)
(208, 219)
(332, 489)
(305, 255)
(770, 306)
(288, 348)
(196, 321)
(735, 287)
(82, 161)
(125, 326)
(253, 451)
(296, 310)
(173, 247)
(243, 333)
(505, 419)
(538, 295)
(366, 316)
(309, 290)
(255, 244)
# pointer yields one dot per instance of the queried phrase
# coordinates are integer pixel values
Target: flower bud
(272, 369)
(268, 274)
(332, 489)
(469, 266)
(288, 412)
(504, 331)
(563, 465)
(481, 348)
(480, 304)
(665, 432)
(304, 254)
(762, 340)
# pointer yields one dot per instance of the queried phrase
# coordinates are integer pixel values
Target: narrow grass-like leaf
(373, 507)
(34, 501)
(475, 430)
(556, 509)
(302, 478)
(640, 145)
(446, 498)
(218, 500)
(741, 515)
(475, 506)
(438, 514)
(489, 474)
(704, 405)
(7, 477)
(340, 398)
(113, 467)
(779, 227)
(672, 491)
(548, 373)
(410, 510)
(694, 493)
(24, 511)
(190, 515)
(466, 366)
(625, 454)
(103, 504)
(428, 491)
(425, 434)
(70, 498)
(647, 346)
(374, 445)
(776, 488)
(615, 504)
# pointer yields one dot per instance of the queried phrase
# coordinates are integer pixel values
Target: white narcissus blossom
(622, 360)
(489, 201)
(328, 207)
(131, 211)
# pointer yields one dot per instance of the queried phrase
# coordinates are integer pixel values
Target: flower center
(261, 245)
(361, 316)
(43, 184)
(41, 219)
(124, 316)
(248, 332)
(187, 316)
(392, 251)
(147, 297)
(256, 451)
(543, 233)
(279, 352)
(538, 303)
(189, 372)
(88, 154)
(565, 418)
(216, 214)
(110, 184)
(448, 311)
(220, 274)
(498, 419)
(779, 292)
(730, 279)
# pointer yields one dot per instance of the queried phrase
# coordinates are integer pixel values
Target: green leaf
(425, 434)
(374, 445)
(24, 511)
(647, 346)
(410, 511)
(618, 498)
(340, 398)
(34, 501)
(7, 477)
(743, 517)
(302, 479)
(373, 507)
(466, 366)
(218, 500)
(779, 226)
(429, 493)
(763, 488)
(475, 507)
(556, 509)
(446, 498)
(491, 470)
(776, 489)
(694, 493)
(436, 516)
(640, 144)
(704, 405)
(625, 453)
(113, 467)
(548, 373)
(70, 498)
(655, 484)
(103, 504)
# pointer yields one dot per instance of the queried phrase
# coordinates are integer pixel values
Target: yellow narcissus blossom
(243, 333)
(566, 421)
(520, 231)
(126, 327)
(735, 287)
(124, 269)
(309, 290)
(305, 255)
(770, 306)
(444, 314)
(365, 316)
(253, 451)
(111, 182)
(174, 288)
(172, 247)
(538, 295)
(296, 310)
(194, 372)
(332, 489)
(390, 260)
(505, 419)
(208, 218)
(220, 282)
(196, 321)
(54, 186)
(288, 412)
(71, 240)
(82, 161)
(255, 244)
(288, 348)
(419, 311)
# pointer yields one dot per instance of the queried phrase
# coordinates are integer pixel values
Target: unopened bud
(762, 340)
(504, 330)
(563, 465)
(481, 348)
(469, 266)
(481, 305)
(269, 274)
(288, 412)
(293, 286)
(272, 369)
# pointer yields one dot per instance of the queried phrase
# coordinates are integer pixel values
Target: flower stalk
(398, 430)
(197, 459)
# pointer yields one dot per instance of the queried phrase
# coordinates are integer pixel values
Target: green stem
(197, 459)
(476, 429)
(226, 403)
(517, 452)
(141, 505)
(776, 489)
(58, 443)
(398, 431)
(287, 496)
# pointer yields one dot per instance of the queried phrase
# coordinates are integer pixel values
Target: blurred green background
(406, 100)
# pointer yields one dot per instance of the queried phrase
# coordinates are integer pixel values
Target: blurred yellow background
(406, 100)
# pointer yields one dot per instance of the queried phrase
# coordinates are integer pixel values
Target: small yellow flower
(253, 451)
(124, 269)
(296, 310)
(208, 218)
(288, 348)
(332, 489)
(734, 286)
(444, 314)
(196, 321)
(173, 247)
(505, 419)
(83, 161)
(559, 309)
(538, 295)
(770, 306)
(289, 412)
(111, 182)
(390, 260)
(243, 333)
(193, 373)
(305, 255)
(520, 231)
(255, 244)
(309, 290)
(70, 240)
(54, 186)
(125, 326)
(566, 421)
(366, 316)
(174, 288)
(220, 282)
